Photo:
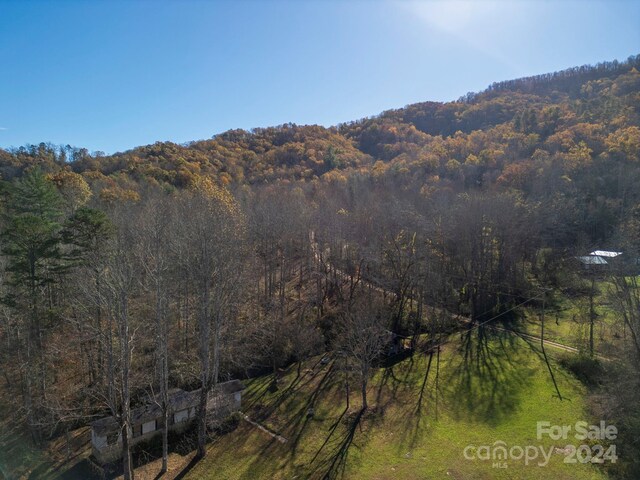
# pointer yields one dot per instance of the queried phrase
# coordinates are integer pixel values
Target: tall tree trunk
(126, 450)
(205, 367)
(544, 353)
(164, 374)
(100, 346)
(363, 386)
(592, 314)
(165, 438)
(125, 348)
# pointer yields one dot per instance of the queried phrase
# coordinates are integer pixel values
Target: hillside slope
(497, 391)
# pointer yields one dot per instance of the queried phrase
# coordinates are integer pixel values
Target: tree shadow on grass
(297, 382)
(535, 347)
(300, 419)
(297, 423)
(487, 377)
(387, 374)
(418, 409)
(333, 464)
(80, 471)
(389, 384)
(332, 430)
(329, 461)
(414, 420)
(296, 385)
(253, 395)
(194, 461)
(483, 381)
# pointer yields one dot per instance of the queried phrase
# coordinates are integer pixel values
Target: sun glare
(478, 25)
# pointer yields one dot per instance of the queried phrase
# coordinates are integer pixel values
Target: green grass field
(568, 322)
(489, 390)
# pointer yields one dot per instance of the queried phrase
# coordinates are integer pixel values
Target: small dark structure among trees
(106, 438)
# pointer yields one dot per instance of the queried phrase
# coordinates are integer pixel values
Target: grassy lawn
(17, 453)
(59, 458)
(568, 322)
(489, 389)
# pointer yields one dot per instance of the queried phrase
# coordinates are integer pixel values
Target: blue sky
(111, 75)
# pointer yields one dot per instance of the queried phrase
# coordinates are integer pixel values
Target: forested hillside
(184, 265)
(570, 134)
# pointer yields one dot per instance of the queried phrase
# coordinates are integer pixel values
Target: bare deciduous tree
(363, 336)
(212, 231)
(156, 257)
(119, 286)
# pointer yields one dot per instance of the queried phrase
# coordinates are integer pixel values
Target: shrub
(587, 369)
